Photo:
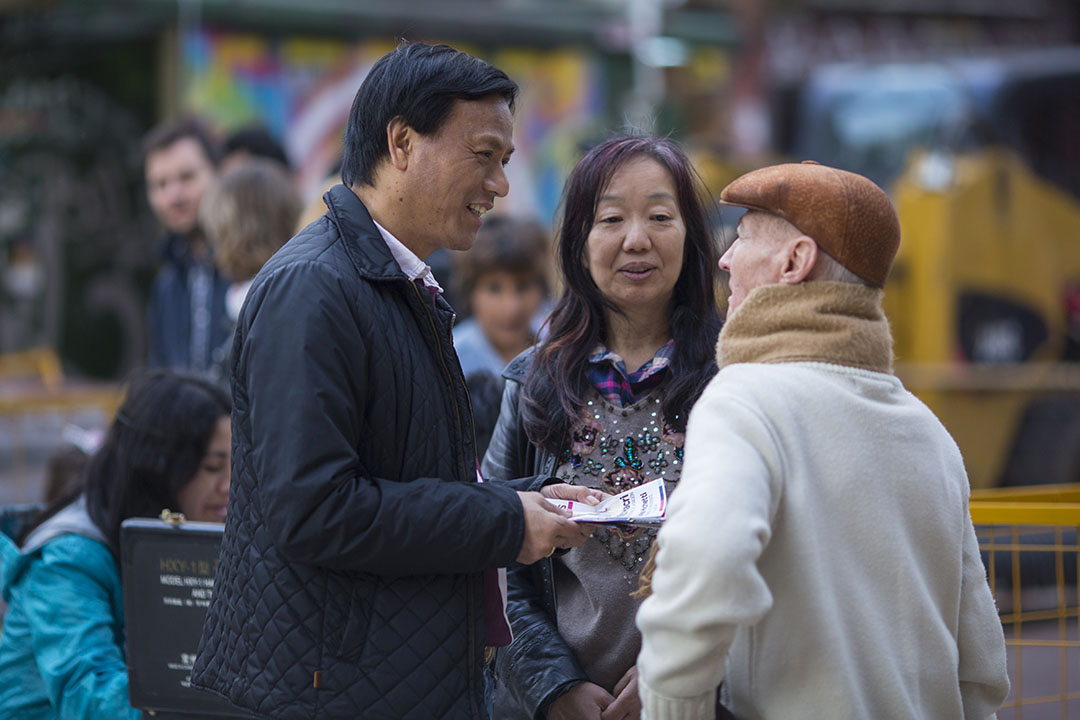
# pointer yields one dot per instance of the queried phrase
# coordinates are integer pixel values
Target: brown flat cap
(847, 215)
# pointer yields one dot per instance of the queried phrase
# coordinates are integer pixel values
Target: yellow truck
(982, 159)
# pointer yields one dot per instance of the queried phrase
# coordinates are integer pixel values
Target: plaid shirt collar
(608, 374)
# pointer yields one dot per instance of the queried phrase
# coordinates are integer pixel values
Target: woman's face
(634, 251)
(504, 304)
(205, 498)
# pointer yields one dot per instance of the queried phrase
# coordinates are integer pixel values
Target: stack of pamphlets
(644, 505)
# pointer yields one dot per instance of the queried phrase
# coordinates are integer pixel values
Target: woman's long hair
(151, 451)
(557, 385)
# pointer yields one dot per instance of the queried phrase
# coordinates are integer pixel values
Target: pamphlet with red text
(644, 505)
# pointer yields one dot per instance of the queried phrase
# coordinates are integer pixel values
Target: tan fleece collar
(829, 322)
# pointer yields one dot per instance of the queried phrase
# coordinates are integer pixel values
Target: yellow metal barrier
(104, 398)
(41, 362)
(1030, 539)
(36, 403)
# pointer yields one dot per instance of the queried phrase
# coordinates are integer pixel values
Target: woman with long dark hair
(62, 651)
(602, 402)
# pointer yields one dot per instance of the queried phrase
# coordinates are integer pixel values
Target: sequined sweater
(613, 449)
(540, 665)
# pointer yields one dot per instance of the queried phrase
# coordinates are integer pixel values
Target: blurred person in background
(819, 556)
(62, 648)
(602, 403)
(64, 472)
(248, 213)
(186, 314)
(65, 468)
(503, 282)
(249, 142)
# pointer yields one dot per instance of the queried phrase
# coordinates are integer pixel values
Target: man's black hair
(418, 83)
(256, 140)
(166, 134)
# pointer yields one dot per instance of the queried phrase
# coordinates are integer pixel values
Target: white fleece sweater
(819, 557)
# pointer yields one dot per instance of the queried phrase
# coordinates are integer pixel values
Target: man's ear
(399, 140)
(801, 258)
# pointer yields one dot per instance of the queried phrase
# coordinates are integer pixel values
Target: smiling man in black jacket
(357, 567)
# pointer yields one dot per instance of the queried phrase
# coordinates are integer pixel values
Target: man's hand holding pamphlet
(643, 505)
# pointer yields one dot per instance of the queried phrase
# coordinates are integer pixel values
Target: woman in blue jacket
(62, 649)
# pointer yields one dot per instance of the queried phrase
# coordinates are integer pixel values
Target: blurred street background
(966, 111)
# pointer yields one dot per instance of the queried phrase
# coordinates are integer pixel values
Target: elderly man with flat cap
(819, 557)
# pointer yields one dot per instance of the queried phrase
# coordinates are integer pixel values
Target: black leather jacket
(350, 581)
(539, 666)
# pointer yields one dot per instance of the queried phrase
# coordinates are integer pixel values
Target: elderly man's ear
(802, 255)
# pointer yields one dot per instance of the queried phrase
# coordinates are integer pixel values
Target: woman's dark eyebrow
(653, 196)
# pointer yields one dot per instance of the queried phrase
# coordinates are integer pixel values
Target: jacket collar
(828, 322)
(518, 368)
(72, 520)
(176, 251)
(363, 242)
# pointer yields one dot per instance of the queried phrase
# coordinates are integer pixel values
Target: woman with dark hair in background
(62, 649)
(602, 402)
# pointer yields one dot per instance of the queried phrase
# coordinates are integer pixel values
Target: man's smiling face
(455, 174)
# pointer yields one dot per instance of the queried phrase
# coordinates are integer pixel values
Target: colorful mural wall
(301, 89)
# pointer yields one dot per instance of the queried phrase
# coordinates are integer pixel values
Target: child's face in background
(504, 304)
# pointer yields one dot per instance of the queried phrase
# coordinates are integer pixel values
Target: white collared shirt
(413, 267)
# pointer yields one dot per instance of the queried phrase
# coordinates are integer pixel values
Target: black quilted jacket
(350, 581)
(539, 666)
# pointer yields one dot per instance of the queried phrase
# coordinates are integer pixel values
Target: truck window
(870, 123)
(1046, 116)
